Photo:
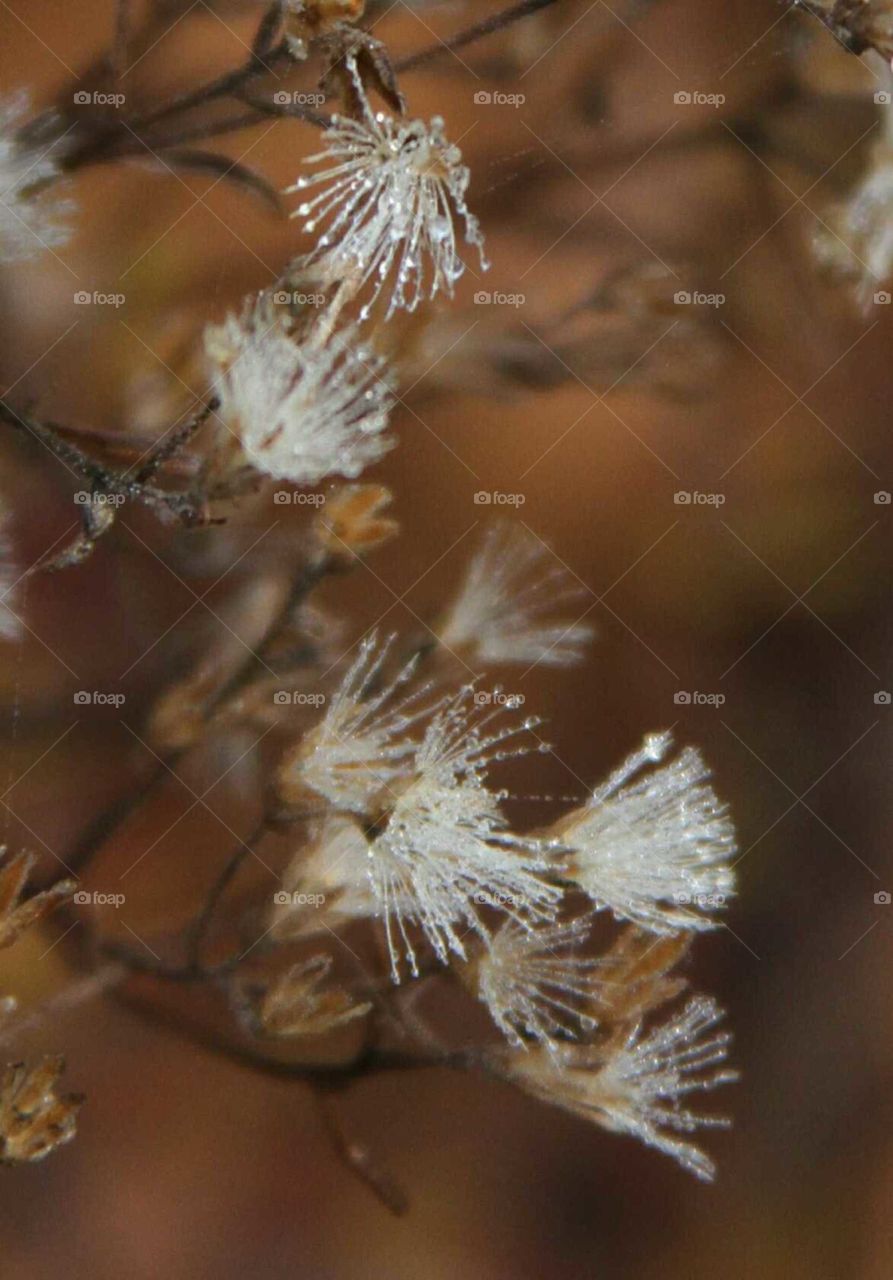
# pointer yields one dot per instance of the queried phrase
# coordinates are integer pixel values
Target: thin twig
(496, 22)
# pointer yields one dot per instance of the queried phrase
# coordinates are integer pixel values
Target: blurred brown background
(778, 600)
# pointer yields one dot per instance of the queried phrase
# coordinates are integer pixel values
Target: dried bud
(33, 1119)
(297, 1003)
(17, 916)
(359, 63)
(352, 523)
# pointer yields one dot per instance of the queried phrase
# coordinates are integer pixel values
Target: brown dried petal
(34, 1120)
(634, 977)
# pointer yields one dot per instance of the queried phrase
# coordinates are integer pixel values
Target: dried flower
(654, 851)
(534, 983)
(28, 221)
(858, 24)
(636, 1084)
(300, 1003)
(298, 411)
(17, 916)
(856, 241)
(359, 748)
(390, 191)
(352, 523)
(502, 612)
(445, 852)
(333, 867)
(33, 1119)
(635, 977)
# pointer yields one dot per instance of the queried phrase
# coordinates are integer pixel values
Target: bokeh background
(777, 600)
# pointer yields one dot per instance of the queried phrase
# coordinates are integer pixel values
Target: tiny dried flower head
(655, 850)
(505, 609)
(360, 747)
(353, 522)
(534, 981)
(15, 915)
(391, 189)
(29, 222)
(637, 1084)
(445, 853)
(298, 411)
(326, 885)
(34, 1119)
(303, 1001)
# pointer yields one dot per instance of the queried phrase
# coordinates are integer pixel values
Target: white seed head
(446, 850)
(637, 1084)
(29, 221)
(298, 411)
(654, 849)
(390, 190)
(505, 609)
(535, 983)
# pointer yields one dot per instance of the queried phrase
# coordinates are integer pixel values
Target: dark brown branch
(496, 22)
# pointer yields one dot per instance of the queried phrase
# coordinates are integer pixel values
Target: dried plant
(399, 867)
